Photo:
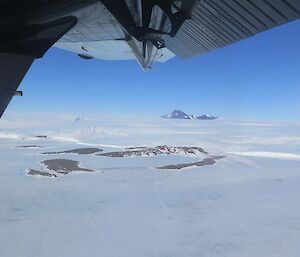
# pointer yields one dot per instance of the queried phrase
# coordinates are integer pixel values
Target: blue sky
(257, 78)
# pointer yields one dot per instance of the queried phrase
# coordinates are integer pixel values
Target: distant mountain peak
(206, 117)
(80, 118)
(179, 114)
(77, 118)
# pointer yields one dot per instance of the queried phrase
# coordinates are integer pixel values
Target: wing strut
(13, 68)
(18, 51)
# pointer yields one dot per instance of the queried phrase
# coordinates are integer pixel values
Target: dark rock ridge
(28, 146)
(179, 114)
(136, 148)
(207, 161)
(41, 136)
(40, 173)
(153, 151)
(78, 151)
(64, 166)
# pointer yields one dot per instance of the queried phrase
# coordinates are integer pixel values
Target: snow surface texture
(245, 205)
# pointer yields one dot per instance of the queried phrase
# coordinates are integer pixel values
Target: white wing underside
(212, 24)
(99, 35)
(111, 50)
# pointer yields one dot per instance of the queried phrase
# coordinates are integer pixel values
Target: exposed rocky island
(32, 172)
(56, 167)
(157, 150)
(64, 166)
(41, 136)
(78, 151)
(28, 146)
(207, 161)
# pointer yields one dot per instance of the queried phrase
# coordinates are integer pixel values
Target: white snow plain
(243, 206)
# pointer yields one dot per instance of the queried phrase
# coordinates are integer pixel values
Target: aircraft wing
(206, 25)
(148, 31)
(217, 23)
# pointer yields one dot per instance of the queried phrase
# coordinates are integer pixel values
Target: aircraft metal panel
(217, 23)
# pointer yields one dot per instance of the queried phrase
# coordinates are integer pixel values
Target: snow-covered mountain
(179, 114)
(206, 117)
